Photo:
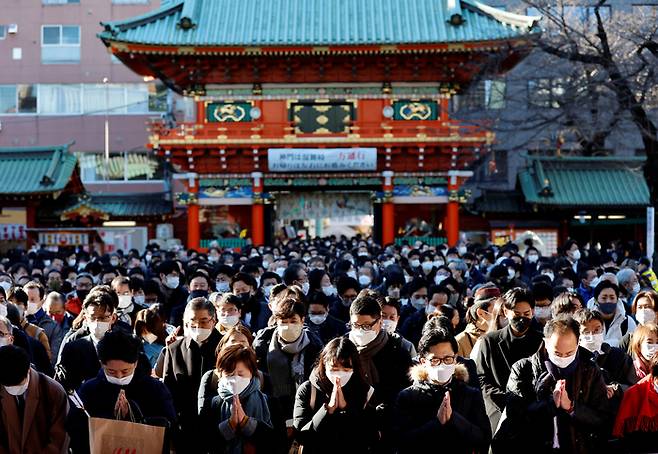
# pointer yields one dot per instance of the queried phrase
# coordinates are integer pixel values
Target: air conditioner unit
(12, 29)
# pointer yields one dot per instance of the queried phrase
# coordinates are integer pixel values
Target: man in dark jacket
(440, 405)
(174, 294)
(556, 399)
(384, 360)
(502, 348)
(184, 362)
(320, 322)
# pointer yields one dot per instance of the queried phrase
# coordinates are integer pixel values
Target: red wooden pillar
(257, 211)
(452, 211)
(193, 226)
(388, 210)
(200, 112)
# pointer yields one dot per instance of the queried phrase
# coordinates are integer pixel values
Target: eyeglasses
(448, 360)
(4, 334)
(365, 326)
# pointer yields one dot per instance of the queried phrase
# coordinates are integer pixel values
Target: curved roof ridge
(506, 17)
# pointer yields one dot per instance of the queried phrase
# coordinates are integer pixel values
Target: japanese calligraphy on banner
(321, 159)
(63, 239)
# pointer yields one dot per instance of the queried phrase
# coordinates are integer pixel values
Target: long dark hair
(341, 351)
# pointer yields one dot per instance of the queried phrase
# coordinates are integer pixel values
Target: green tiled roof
(585, 182)
(123, 205)
(500, 202)
(318, 22)
(35, 170)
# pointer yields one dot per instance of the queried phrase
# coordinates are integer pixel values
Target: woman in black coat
(335, 402)
(121, 382)
(440, 409)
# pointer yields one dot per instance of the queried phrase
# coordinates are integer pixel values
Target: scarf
(254, 404)
(285, 362)
(366, 355)
(640, 368)
(639, 409)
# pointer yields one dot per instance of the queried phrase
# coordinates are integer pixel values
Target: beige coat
(43, 432)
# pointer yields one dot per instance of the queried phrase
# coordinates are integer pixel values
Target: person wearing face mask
(556, 399)
(295, 274)
(19, 298)
(229, 312)
(347, 289)
(617, 323)
(644, 307)
(319, 321)
(253, 308)
(629, 286)
(233, 411)
(440, 405)
(531, 264)
(150, 328)
(223, 278)
(37, 316)
(290, 355)
(320, 282)
(54, 309)
(636, 420)
(120, 386)
(573, 257)
(83, 284)
(384, 361)
(174, 295)
(478, 318)
(34, 407)
(391, 320)
(366, 276)
(183, 363)
(78, 359)
(644, 345)
(588, 281)
(616, 366)
(127, 309)
(335, 400)
(543, 294)
(498, 350)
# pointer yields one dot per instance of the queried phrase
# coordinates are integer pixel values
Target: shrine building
(317, 115)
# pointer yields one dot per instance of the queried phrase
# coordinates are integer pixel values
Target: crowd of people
(333, 345)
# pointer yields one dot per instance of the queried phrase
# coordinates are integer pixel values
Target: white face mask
(543, 312)
(5, 285)
(636, 287)
(306, 287)
(235, 383)
(98, 329)
(441, 373)
(648, 350)
(330, 290)
(139, 299)
(266, 291)
(560, 361)
(172, 282)
(511, 273)
(576, 255)
(3, 310)
(429, 309)
(352, 274)
(394, 292)
(344, 376)
(532, 258)
(361, 337)
(440, 278)
(125, 381)
(223, 287)
(19, 390)
(364, 280)
(318, 319)
(198, 335)
(150, 337)
(266, 265)
(290, 332)
(71, 262)
(390, 326)
(645, 315)
(125, 301)
(229, 321)
(461, 250)
(415, 263)
(427, 266)
(551, 276)
(32, 308)
(592, 342)
(280, 271)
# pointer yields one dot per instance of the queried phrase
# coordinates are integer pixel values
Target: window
(59, 2)
(17, 99)
(60, 44)
(3, 31)
(546, 92)
(60, 99)
(486, 94)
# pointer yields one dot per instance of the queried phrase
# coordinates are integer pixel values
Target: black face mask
(198, 294)
(82, 294)
(520, 324)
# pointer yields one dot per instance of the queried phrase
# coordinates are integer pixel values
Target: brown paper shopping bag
(110, 436)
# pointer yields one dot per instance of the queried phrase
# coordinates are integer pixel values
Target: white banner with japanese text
(321, 159)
